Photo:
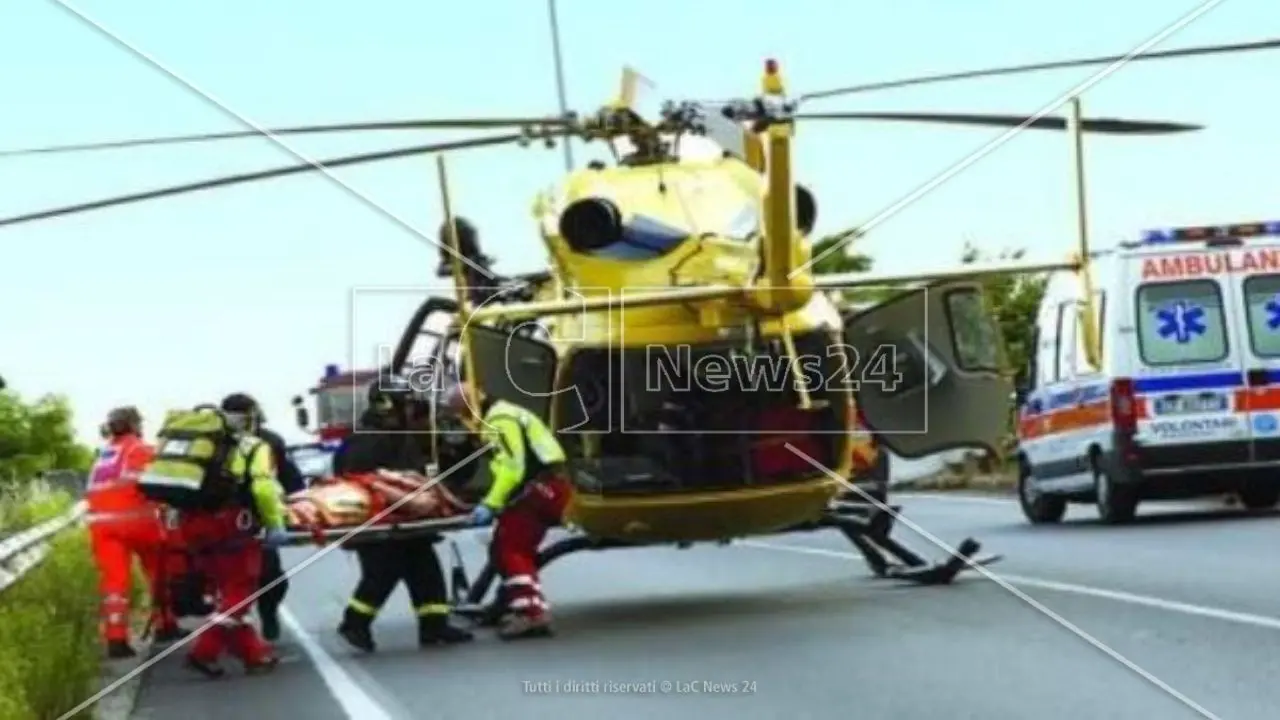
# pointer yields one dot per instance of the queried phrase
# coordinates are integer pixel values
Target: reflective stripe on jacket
(113, 480)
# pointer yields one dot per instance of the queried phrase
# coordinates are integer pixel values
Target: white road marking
(1242, 618)
(355, 701)
(951, 496)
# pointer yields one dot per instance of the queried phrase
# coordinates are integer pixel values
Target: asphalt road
(1177, 616)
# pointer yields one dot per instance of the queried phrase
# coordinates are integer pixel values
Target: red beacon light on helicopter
(771, 83)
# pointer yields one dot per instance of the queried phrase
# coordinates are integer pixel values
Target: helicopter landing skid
(868, 527)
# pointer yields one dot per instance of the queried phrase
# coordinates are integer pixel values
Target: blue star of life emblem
(1181, 321)
(1273, 312)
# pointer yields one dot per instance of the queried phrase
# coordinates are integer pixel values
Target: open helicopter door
(929, 370)
(516, 368)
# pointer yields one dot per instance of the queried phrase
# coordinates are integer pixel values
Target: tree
(37, 436)
(839, 261)
(844, 261)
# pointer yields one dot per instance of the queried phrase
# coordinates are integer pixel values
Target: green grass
(27, 505)
(49, 645)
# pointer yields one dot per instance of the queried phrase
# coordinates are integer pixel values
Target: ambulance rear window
(1181, 323)
(1262, 299)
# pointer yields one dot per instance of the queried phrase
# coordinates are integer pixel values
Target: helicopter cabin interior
(656, 420)
(925, 368)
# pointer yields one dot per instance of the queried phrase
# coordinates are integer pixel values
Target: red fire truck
(340, 399)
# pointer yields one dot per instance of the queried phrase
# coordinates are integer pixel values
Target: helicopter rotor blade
(260, 175)
(1221, 49)
(424, 124)
(1098, 125)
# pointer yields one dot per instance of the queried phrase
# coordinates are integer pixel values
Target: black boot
(120, 650)
(357, 630)
(436, 630)
(270, 620)
(519, 626)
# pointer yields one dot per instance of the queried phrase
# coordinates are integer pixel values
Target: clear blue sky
(182, 300)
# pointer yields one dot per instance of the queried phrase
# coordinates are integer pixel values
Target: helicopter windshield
(713, 203)
(709, 201)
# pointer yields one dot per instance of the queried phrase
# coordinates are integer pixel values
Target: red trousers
(115, 543)
(225, 550)
(521, 527)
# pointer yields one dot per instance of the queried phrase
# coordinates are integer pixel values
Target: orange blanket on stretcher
(350, 500)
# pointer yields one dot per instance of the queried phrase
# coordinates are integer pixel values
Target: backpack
(189, 471)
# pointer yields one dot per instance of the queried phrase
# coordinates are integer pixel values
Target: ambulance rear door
(1257, 278)
(1187, 359)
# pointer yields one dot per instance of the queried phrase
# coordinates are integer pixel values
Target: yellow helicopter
(704, 382)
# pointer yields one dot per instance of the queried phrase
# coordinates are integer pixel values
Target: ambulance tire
(1039, 508)
(1259, 497)
(1117, 504)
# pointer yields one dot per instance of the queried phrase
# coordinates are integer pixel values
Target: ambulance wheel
(1117, 504)
(1259, 497)
(1040, 508)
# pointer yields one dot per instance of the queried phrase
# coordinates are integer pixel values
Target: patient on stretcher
(353, 499)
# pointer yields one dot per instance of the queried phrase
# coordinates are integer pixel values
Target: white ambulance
(1183, 397)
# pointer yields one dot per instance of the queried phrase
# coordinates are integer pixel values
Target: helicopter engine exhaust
(591, 224)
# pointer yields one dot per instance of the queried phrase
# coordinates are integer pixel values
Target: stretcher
(337, 508)
(333, 508)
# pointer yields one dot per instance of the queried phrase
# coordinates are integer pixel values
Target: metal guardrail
(72, 482)
(23, 551)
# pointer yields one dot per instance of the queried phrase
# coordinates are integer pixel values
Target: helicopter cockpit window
(420, 363)
(715, 204)
(976, 340)
(744, 224)
(452, 357)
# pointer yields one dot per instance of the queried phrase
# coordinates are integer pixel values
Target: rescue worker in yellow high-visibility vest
(528, 495)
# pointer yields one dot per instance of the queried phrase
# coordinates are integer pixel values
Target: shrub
(49, 647)
(23, 506)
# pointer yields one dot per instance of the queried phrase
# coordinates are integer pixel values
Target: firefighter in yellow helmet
(528, 496)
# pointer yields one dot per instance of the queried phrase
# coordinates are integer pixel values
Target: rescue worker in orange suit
(528, 495)
(124, 524)
(385, 440)
(227, 549)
